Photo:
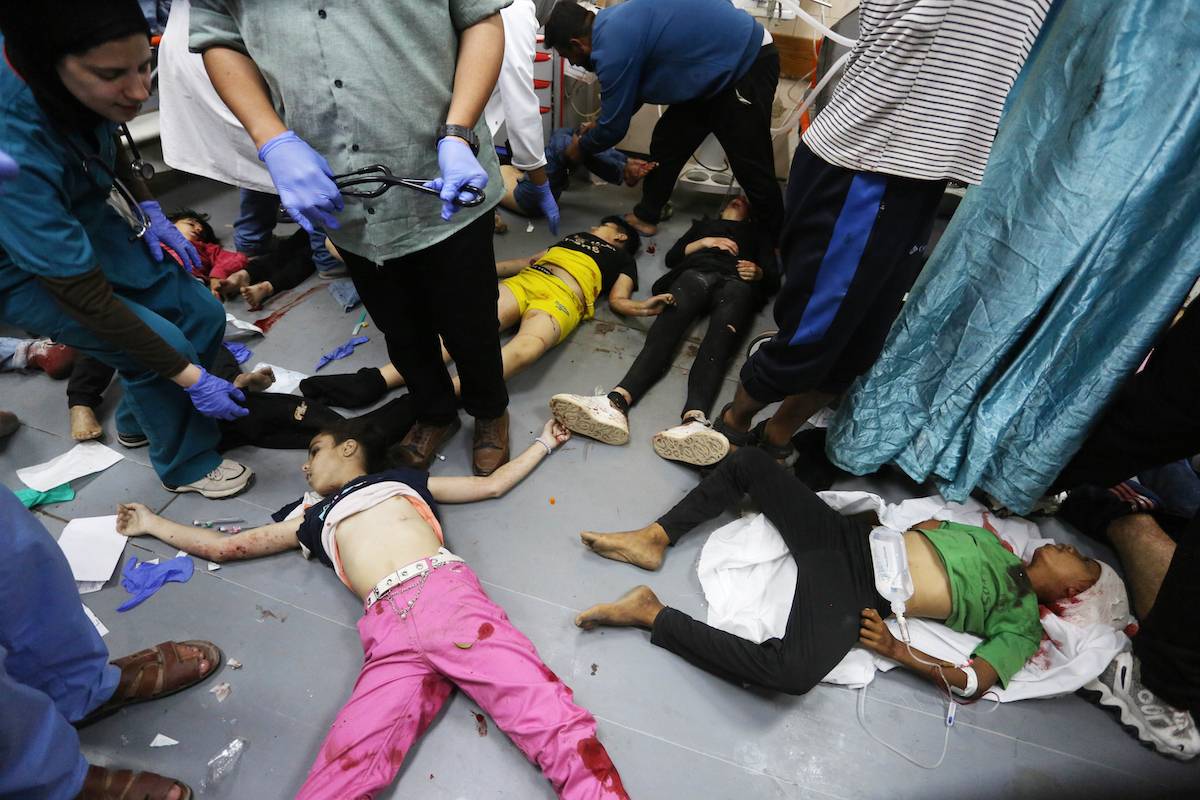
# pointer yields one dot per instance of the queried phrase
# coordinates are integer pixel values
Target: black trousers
(834, 581)
(89, 377)
(740, 118)
(287, 266)
(448, 289)
(852, 245)
(1156, 420)
(729, 302)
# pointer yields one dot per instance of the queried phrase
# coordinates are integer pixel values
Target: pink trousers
(454, 635)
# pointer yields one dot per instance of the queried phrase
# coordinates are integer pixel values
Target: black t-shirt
(612, 260)
(309, 533)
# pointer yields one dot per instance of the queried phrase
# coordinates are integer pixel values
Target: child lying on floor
(962, 576)
(216, 263)
(228, 273)
(379, 530)
(546, 296)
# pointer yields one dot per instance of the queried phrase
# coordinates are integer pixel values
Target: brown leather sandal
(125, 784)
(156, 672)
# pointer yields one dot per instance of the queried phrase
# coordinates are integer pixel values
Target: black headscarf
(39, 34)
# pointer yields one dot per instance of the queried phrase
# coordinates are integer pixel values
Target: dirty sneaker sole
(1103, 696)
(700, 448)
(578, 418)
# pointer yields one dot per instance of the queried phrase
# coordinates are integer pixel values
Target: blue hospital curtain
(1057, 273)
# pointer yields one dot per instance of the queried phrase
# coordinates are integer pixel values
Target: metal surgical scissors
(382, 179)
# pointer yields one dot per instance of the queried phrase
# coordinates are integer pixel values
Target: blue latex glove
(163, 232)
(241, 353)
(341, 351)
(547, 203)
(215, 397)
(304, 181)
(459, 168)
(8, 168)
(142, 580)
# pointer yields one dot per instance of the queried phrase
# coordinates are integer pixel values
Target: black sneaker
(132, 440)
(1119, 689)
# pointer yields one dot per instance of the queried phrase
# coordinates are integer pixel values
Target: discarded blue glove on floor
(32, 497)
(144, 579)
(344, 293)
(241, 353)
(341, 352)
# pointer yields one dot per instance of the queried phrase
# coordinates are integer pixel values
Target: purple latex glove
(142, 579)
(215, 397)
(547, 203)
(459, 168)
(341, 351)
(8, 168)
(304, 181)
(162, 232)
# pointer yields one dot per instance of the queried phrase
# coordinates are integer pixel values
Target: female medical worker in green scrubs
(88, 273)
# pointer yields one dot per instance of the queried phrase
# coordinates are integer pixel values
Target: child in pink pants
(453, 635)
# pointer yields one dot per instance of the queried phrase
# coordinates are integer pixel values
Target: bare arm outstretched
(134, 519)
(511, 266)
(468, 489)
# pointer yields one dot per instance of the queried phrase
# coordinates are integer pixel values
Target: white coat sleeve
(522, 116)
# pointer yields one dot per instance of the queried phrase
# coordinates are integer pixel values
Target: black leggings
(286, 268)
(729, 302)
(834, 581)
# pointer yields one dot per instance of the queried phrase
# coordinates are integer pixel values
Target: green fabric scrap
(32, 497)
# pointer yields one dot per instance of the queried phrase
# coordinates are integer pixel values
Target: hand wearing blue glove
(304, 181)
(8, 168)
(547, 203)
(217, 398)
(459, 168)
(162, 232)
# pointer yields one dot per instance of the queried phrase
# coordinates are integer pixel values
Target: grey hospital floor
(672, 730)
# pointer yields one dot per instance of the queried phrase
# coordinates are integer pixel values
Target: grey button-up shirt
(363, 82)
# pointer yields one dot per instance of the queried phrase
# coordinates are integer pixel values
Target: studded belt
(414, 570)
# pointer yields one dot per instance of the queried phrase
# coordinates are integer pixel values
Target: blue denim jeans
(255, 223)
(608, 165)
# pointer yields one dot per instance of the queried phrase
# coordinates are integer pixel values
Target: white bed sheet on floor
(749, 578)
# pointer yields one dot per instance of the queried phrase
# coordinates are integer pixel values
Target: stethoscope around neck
(121, 198)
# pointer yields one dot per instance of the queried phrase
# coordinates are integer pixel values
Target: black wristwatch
(462, 132)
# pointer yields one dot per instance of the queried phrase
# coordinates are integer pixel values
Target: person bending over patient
(962, 576)
(379, 530)
(610, 165)
(547, 295)
(725, 268)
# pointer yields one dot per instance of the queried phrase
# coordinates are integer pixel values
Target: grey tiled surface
(673, 731)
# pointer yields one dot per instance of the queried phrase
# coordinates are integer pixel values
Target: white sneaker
(693, 442)
(1167, 729)
(594, 417)
(228, 479)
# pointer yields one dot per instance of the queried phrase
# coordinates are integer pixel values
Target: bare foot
(256, 381)
(499, 225)
(256, 294)
(644, 228)
(234, 283)
(643, 548)
(636, 169)
(84, 425)
(637, 608)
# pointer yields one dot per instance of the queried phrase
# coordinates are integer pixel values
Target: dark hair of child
(207, 234)
(373, 447)
(633, 242)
